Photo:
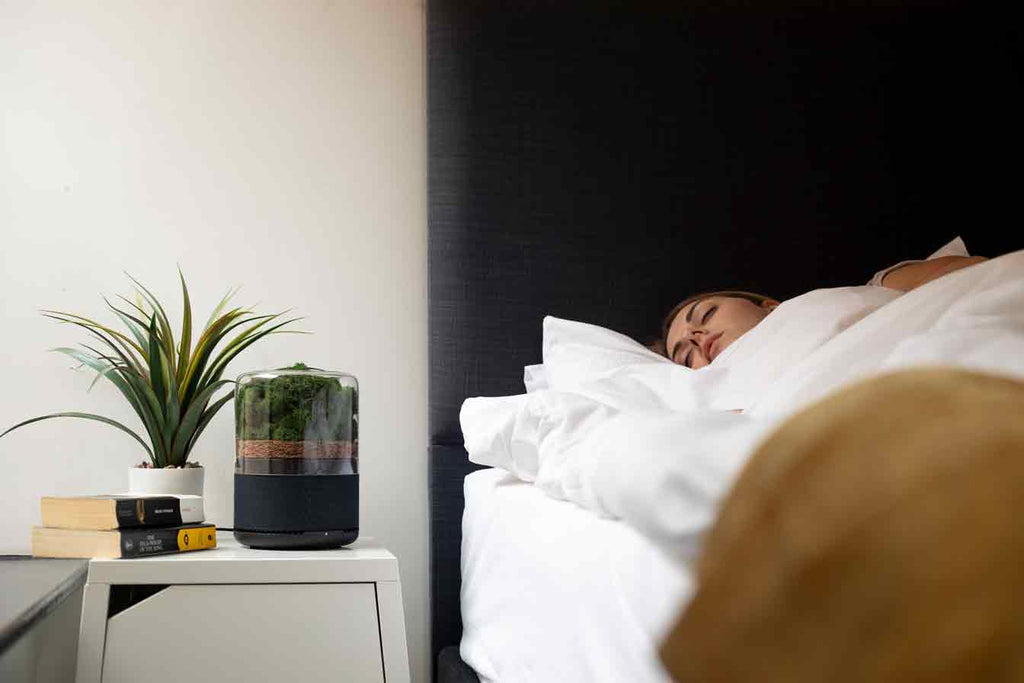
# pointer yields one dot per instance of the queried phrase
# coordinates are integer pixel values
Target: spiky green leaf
(223, 359)
(156, 367)
(136, 390)
(205, 420)
(220, 307)
(208, 342)
(86, 416)
(185, 349)
(191, 419)
(166, 337)
(136, 326)
(86, 322)
(116, 343)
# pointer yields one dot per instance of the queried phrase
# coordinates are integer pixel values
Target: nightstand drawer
(258, 632)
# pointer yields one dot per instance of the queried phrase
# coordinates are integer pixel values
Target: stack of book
(121, 525)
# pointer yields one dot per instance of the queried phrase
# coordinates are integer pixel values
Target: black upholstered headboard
(600, 160)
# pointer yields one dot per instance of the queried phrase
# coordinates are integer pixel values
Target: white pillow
(618, 371)
(574, 350)
(535, 378)
(516, 432)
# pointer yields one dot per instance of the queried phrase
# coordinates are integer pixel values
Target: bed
(554, 592)
(596, 162)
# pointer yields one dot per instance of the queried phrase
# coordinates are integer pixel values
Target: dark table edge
(20, 625)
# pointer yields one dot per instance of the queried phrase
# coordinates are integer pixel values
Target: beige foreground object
(875, 536)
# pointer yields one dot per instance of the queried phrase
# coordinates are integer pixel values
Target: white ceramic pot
(183, 480)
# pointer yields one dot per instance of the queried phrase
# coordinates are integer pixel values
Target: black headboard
(600, 160)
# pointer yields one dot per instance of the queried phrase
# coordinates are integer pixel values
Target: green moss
(296, 408)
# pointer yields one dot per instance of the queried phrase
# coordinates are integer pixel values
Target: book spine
(157, 511)
(140, 542)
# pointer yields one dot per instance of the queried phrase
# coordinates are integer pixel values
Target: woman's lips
(709, 348)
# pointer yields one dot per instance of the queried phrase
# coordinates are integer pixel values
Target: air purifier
(296, 459)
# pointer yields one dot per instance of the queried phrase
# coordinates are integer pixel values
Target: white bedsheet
(551, 592)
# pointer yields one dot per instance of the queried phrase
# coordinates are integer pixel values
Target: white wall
(277, 145)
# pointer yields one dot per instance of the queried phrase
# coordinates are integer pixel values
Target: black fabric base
(451, 668)
(296, 503)
(447, 467)
(296, 540)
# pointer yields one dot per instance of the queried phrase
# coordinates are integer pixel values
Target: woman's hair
(661, 345)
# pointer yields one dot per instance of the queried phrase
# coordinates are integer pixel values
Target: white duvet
(619, 430)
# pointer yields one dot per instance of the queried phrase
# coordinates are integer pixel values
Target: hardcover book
(132, 542)
(119, 511)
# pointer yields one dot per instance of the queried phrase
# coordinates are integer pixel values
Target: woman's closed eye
(704, 318)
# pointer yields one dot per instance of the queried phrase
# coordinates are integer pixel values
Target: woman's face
(703, 329)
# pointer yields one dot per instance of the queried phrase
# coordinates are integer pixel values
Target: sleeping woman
(700, 327)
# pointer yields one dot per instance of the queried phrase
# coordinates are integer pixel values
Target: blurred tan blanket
(876, 536)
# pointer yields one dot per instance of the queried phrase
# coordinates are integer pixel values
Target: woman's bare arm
(914, 275)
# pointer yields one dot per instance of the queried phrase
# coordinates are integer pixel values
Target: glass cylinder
(297, 422)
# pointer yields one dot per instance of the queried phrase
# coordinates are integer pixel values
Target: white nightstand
(232, 613)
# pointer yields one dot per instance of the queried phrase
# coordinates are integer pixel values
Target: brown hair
(661, 345)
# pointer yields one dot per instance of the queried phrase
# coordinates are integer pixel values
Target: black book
(136, 542)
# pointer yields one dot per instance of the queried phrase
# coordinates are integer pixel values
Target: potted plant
(170, 384)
